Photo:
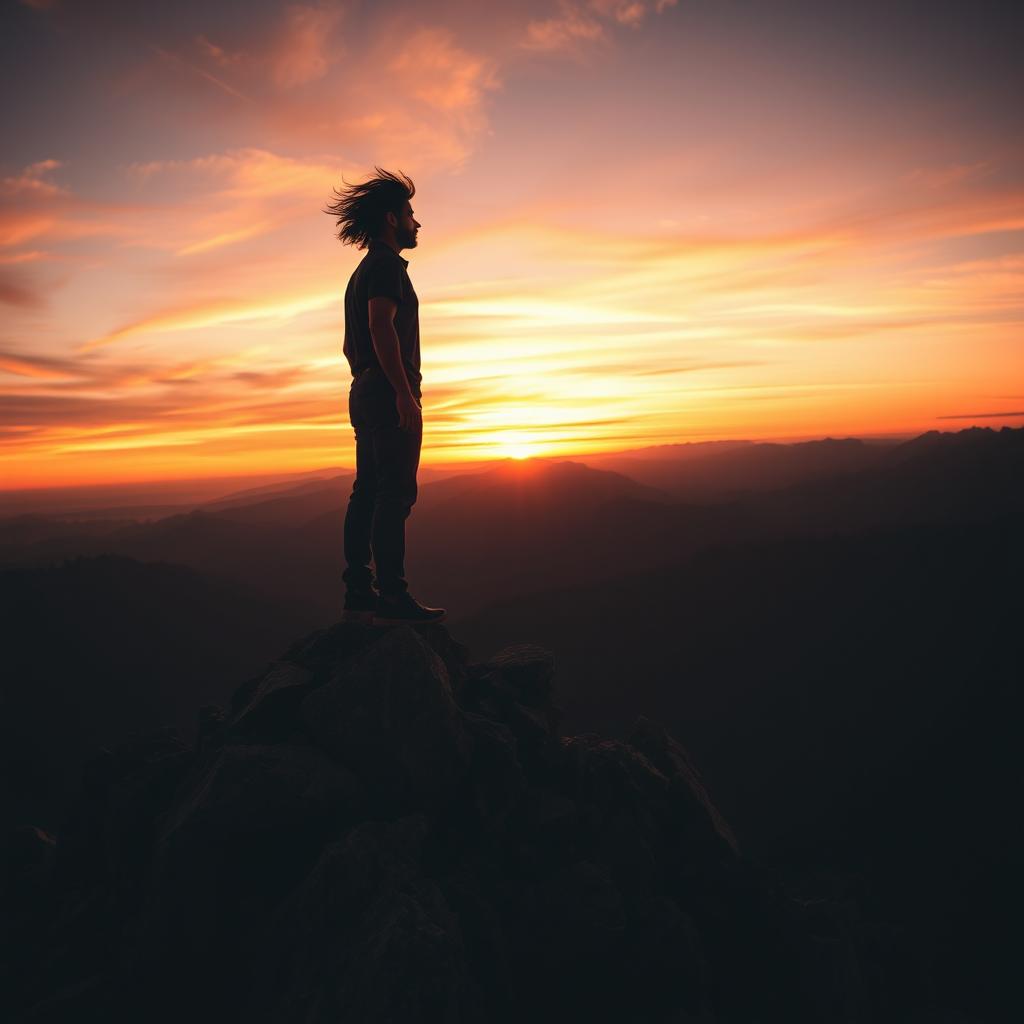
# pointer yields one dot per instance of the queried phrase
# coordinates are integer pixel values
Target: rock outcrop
(377, 830)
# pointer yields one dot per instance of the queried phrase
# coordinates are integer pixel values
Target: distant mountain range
(524, 526)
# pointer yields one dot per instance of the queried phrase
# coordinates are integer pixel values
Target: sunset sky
(643, 223)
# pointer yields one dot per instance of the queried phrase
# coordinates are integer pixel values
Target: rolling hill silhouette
(725, 471)
(98, 647)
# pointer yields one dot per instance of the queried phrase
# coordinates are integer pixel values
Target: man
(382, 345)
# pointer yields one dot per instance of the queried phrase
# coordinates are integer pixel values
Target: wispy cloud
(215, 313)
(33, 180)
(41, 367)
(580, 23)
(982, 415)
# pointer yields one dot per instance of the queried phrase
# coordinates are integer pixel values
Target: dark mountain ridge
(97, 647)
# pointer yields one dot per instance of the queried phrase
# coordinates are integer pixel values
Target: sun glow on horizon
(513, 444)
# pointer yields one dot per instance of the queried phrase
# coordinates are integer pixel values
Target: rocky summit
(380, 830)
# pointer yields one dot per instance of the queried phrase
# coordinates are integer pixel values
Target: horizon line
(272, 476)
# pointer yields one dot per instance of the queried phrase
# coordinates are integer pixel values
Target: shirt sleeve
(384, 279)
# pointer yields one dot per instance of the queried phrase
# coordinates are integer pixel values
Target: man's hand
(410, 413)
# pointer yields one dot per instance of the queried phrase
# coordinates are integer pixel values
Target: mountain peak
(378, 828)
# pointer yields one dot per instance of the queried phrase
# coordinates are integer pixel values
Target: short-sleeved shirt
(382, 272)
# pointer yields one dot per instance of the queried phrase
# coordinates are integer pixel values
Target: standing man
(382, 345)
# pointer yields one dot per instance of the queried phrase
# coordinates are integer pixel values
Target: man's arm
(389, 354)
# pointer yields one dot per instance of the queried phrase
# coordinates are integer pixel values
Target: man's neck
(389, 243)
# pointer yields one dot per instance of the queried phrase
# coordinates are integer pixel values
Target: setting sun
(514, 451)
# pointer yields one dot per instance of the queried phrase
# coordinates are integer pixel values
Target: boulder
(268, 707)
(688, 791)
(365, 937)
(514, 687)
(245, 828)
(388, 713)
(495, 775)
(525, 669)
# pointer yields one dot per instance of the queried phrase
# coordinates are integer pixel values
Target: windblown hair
(360, 209)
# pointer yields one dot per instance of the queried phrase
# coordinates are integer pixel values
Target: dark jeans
(384, 491)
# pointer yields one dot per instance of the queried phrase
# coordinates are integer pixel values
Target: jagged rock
(366, 938)
(525, 669)
(244, 829)
(248, 788)
(514, 687)
(455, 655)
(672, 760)
(323, 651)
(495, 774)
(268, 707)
(389, 714)
(350, 842)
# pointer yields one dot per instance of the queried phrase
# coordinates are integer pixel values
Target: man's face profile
(406, 227)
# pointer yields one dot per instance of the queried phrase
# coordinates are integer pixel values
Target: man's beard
(406, 239)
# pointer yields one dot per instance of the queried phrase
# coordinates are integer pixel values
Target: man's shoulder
(372, 259)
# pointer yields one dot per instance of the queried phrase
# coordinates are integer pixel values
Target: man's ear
(392, 219)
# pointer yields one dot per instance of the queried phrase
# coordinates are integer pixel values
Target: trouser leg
(397, 459)
(359, 516)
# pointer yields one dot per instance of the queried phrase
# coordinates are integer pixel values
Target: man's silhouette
(382, 345)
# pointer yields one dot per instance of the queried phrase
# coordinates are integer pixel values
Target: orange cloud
(585, 22)
(32, 181)
(296, 48)
(38, 367)
(215, 313)
(29, 256)
(563, 32)
(431, 67)
(943, 177)
(305, 50)
(236, 196)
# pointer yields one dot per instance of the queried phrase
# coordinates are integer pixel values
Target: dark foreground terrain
(379, 829)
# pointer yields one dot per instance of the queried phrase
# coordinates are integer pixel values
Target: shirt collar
(376, 246)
